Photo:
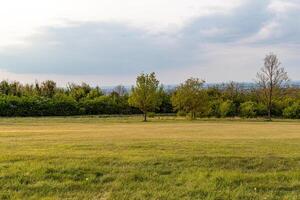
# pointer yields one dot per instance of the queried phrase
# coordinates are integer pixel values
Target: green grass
(123, 158)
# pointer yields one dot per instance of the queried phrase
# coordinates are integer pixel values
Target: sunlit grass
(167, 158)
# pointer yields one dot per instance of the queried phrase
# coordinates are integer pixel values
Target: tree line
(272, 97)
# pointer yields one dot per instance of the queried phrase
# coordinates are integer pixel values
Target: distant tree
(4, 87)
(120, 90)
(16, 88)
(86, 88)
(78, 92)
(190, 97)
(29, 90)
(166, 104)
(270, 79)
(94, 93)
(146, 94)
(234, 91)
(48, 88)
(37, 88)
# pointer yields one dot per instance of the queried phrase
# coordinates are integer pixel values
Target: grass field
(123, 158)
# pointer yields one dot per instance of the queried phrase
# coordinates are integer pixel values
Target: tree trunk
(145, 116)
(270, 104)
(269, 113)
(193, 115)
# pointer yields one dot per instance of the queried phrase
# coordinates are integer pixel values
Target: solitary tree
(190, 97)
(146, 94)
(270, 79)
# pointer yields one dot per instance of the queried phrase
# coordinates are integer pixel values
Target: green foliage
(166, 104)
(214, 108)
(37, 106)
(14, 88)
(181, 113)
(271, 79)
(292, 111)
(248, 109)
(64, 105)
(94, 93)
(146, 94)
(151, 114)
(190, 97)
(227, 109)
(48, 88)
(278, 106)
(261, 110)
(99, 105)
(79, 92)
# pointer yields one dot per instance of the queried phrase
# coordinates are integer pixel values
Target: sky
(110, 42)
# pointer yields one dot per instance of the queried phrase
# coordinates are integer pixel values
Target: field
(123, 158)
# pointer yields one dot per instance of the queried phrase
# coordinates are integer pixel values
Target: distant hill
(244, 85)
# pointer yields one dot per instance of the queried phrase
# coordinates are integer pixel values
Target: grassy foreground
(93, 158)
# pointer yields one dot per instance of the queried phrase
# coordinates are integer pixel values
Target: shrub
(214, 108)
(277, 108)
(64, 105)
(248, 109)
(181, 113)
(151, 114)
(227, 109)
(261, 110)
(100, 105)
(292, 111)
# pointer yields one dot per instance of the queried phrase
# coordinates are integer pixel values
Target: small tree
(190, 97)
(146, 94)
(271, 79)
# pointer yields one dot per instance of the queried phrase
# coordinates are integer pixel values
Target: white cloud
(63, 80)
(222, 62)
(266, 32)
(19, 19)
(282, 6)
(115, 39)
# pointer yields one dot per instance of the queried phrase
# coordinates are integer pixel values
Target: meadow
(166, 158)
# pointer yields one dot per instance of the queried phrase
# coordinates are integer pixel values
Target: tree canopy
(271, 79)
(146, 94)
(190, 97)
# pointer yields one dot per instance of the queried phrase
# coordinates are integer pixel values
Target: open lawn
(123, 158)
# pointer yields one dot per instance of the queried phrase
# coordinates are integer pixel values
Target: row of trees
(46, 99)
(272, 96)
(191, 98)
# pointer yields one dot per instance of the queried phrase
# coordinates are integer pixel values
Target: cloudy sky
(108, 42)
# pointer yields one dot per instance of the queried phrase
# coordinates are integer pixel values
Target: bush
(227, 109)
(99, 105)
(292, 111)
(181, 114)
(277, 108)
(214, 109)
(248, 109)
(37, 106)
(151, 114)
(261, 110)
(64, 105)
